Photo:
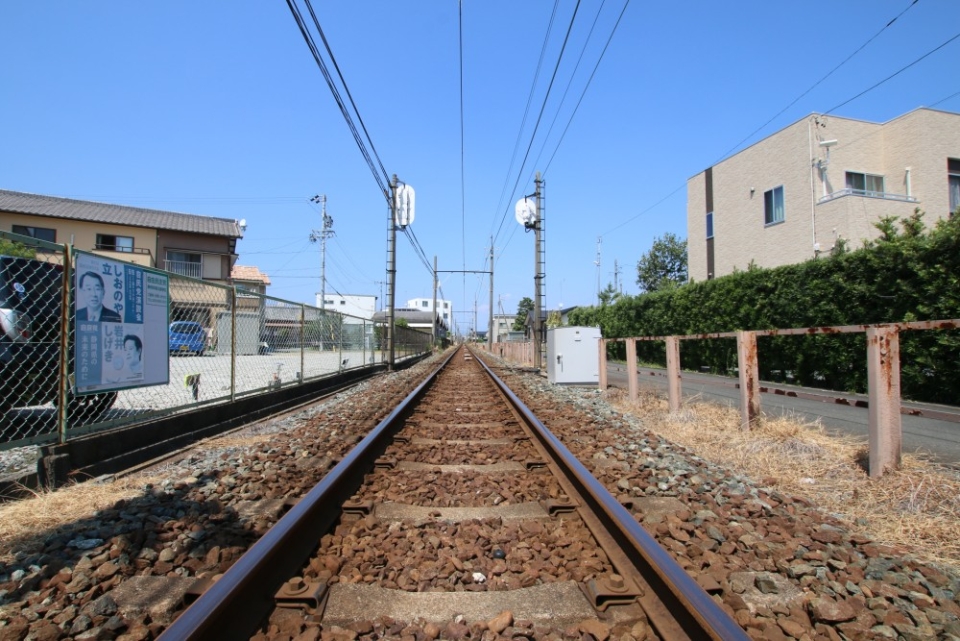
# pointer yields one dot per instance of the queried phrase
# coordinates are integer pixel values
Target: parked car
(30, 313)
(187, 337)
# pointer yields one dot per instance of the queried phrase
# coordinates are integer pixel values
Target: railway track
(458, 513)
(364, 519)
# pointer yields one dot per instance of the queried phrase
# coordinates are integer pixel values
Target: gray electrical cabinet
(573, 355)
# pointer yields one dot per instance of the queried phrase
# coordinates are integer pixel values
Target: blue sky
(219, 109)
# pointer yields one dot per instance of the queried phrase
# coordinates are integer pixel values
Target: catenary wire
(543, 107)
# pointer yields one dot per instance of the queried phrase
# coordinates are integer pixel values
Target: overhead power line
(382, 179)
(817, 83)
(893, 75)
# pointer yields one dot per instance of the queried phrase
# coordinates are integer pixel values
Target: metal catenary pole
(391, 268)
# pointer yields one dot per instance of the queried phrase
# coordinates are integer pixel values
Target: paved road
(938, 438)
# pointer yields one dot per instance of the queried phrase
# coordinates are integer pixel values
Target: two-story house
(199, 247)
(820, 182)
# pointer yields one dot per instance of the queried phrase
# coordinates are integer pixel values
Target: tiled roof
(249, 273)
(66, 208)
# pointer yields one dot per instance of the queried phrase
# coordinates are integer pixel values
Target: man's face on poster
(94, 292)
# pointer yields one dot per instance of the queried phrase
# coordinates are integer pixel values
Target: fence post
(603, 364)
(749, 373)
(673, 373)
(883, 379)
(632, 384)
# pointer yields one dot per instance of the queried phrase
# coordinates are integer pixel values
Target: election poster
(121, 325)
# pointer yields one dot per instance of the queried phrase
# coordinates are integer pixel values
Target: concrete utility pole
(538, 276)
(490, 319)
(391, 268)
(433, 320)
(322, 236)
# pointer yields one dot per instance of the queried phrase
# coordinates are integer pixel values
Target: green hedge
(903, 276)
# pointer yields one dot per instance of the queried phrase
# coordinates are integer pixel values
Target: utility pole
(322, 235)
(490, 319)
(433, 318)
(539, 276)
(391, 268)
(616, 276)
(597, 263)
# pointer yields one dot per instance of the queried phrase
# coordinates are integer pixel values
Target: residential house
(417, 319)
(817, 184)
(199, 247)
(355, 307)
(444, 308)
(502, 327)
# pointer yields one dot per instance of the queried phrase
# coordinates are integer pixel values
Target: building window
(40, 233)
(773, 206)
(865, 184)
(115, 243)
(710, 225)
(343, 302)
(953, 171)
(423, 304)
(185, 264)
(446, 305)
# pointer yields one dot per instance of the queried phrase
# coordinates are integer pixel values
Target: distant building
(502, 326)
(444, 308)
(356, 306)
(421, 321)
(821, 181)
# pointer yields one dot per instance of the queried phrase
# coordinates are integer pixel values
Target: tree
(664, 266)
(13, 248)
(523, 310)
(609, 295)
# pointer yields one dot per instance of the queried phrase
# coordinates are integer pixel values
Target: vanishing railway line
(458, 503)
(455, 515)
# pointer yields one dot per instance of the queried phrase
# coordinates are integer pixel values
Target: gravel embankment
(782, 568)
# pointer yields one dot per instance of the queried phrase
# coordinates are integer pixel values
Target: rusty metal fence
(217, 342)
(883, 374)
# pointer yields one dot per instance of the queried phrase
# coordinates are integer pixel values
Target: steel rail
(694, 610)
(243, 597)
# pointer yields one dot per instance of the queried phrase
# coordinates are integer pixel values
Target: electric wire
(543, 107)
(343, 82)
(587, 86)
(314, 50)
(682, 185)
(463, 215)
(817, 83)
(526, 112)
(893, 75)
(566, 90)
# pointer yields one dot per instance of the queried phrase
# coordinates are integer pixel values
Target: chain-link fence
(141, 355)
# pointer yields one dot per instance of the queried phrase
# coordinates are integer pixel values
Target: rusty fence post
(883, 379)
(749, 373)
(632, 384)
(673, 373)
(603, 363)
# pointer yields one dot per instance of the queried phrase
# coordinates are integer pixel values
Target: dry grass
(24, 523)
(917, 506)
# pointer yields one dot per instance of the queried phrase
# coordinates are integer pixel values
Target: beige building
(792, 196)
(201, 247)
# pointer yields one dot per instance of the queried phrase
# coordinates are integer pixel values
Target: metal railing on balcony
(184, 268)
(867, 193)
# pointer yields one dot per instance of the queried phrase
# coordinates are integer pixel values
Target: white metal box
(573, 355)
